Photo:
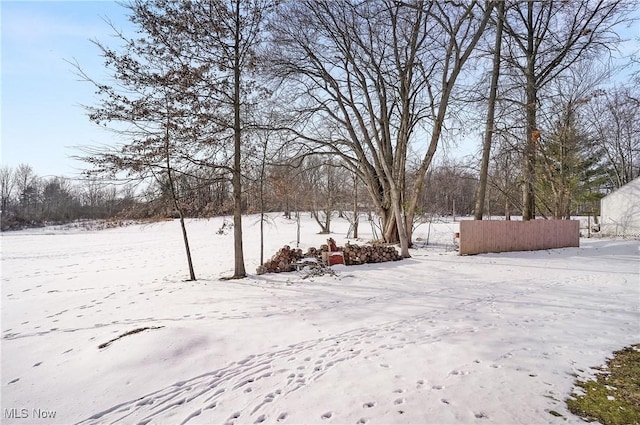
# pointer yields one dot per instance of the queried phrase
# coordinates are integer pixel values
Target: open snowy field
(438, 338)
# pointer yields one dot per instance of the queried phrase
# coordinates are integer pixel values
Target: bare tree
(315, 179)
(451, 189)
(489, 127)
(504, 174)
(24, 176)
(28, 185)
(58, 200)
(151, 99)
(283, 186)
(7, 183)
(261, 156)
(193, 66)
(543, 40)
(614, 118)
(353, 216)
(368, 75)
(218, 40)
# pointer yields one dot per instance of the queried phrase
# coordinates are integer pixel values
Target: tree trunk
(507, 212)
(176, 204)
(192, 273)
(529, 157)
(400, 223)
(287, 206)
(488, 132)
(262, 215)
(424, 166)
(239, 270)
(323, 226)
(532, 133)
(327, 221)
(262, 232)
(356, 217)
(389, 227)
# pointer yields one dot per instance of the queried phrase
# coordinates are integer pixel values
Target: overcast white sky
(42, 120)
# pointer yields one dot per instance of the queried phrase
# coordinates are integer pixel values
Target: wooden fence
(480, 236)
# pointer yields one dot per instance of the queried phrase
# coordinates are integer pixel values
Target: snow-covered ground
(437, 338)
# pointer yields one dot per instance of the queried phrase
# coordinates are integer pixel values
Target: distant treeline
(322, 189)
(28, 200)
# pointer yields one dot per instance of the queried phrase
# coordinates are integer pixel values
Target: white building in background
(620, 211)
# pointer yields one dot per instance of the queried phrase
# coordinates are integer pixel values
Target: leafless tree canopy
(371, 79)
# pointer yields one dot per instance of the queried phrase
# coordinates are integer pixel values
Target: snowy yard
(438, 338)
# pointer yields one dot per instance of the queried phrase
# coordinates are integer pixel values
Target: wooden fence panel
(480, 236)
